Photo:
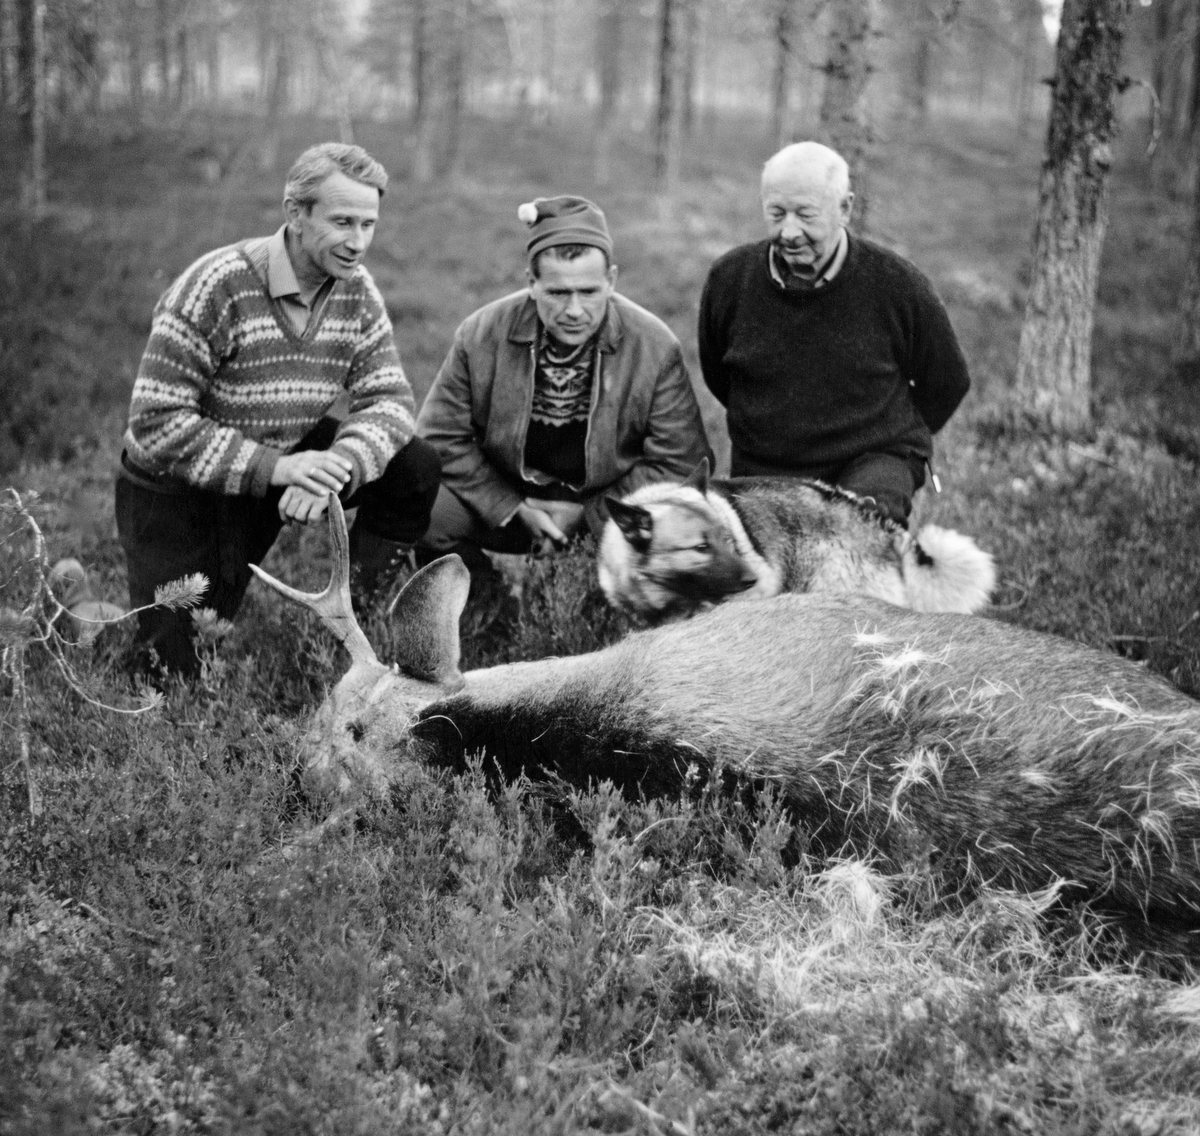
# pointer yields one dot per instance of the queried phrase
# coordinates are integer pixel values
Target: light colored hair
(320, 161)
(813, 158)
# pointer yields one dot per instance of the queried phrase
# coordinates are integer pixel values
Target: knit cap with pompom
(564, 220)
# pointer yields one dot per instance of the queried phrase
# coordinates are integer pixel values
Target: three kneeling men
(549, 399)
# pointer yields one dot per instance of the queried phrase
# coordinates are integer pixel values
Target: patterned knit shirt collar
(562, 383)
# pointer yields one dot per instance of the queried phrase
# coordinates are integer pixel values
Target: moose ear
(427, 612)
(698, 478)
(636, 524)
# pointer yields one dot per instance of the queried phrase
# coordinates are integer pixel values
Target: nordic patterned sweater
(867, 363)
(226, 386)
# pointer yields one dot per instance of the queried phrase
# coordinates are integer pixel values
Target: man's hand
(316, 471)
(550, 522)
(299, 506)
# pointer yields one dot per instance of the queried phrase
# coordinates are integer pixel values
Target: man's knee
(453, 524)
(397, 506)
(417, 467)
(888, 480)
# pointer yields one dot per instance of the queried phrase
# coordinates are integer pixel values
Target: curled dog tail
(946, 571)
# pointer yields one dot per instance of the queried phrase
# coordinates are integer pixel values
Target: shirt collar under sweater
(269, 255)
(780, 274)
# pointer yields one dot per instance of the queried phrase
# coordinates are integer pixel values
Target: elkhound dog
(671, 549)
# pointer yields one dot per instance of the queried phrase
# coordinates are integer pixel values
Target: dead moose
(1036, 759)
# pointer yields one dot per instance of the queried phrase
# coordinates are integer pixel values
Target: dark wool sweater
(866, 364)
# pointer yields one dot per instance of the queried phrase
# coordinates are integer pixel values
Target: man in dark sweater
(833, 357)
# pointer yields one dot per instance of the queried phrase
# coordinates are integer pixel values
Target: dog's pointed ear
(698, 478)
(427, 612)
(636, 524)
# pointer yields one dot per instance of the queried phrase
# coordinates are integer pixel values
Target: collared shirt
(270, 258)
(783, 276)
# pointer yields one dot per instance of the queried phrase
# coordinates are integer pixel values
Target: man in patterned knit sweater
(555, 396)
(833, 357)
(230, 430)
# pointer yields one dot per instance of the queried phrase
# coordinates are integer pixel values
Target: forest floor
(175, 958)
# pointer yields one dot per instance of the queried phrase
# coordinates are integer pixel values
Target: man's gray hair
(320, 161)
(810, 157)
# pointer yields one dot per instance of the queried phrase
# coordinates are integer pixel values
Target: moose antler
(333, 604)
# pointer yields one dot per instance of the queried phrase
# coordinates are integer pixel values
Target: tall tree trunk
(844, 121)
(668, 124)
(1030, 22)
(8, 81)
(1193, 117)
(133, 58)
(212, 62)
(608, 69)
(688, 67)
(1054, 363)
(1162, 45)
(438, 124)
(31, 40)
(923, 32)
(162, 42)
(549, 64)
(456, 82)
(420, 62)
(1186, 352)
(277, 56)
(781, 78)
(183, 54)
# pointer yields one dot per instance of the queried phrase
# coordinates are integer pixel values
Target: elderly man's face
(572, 295)
(805, 217)
(332, 237)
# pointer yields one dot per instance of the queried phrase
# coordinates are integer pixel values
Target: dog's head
(681, 544)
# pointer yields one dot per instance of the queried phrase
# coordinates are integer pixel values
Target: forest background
(183, 949)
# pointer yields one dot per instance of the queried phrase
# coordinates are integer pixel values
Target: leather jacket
(644, 424)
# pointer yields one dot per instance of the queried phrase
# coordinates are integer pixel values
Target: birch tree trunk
(440, 108)
(608, 68)
(689, 67)
(923, 35)
(1054, 363)
(1186, 351)
(844, 121)
(420, 62)
(31, 43)
(8, 78)
(781, 79)
(668, 125)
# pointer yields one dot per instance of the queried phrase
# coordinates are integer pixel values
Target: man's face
(572, 295)
(332, 237)
(805, 217)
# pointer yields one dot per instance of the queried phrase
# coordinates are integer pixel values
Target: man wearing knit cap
(232, 431)
(554, 396)
(833, 356)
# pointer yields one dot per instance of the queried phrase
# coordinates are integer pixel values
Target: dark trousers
(169, 530)
(890, 480)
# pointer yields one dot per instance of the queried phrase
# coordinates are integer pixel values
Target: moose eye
(357, 730)
(703, 546)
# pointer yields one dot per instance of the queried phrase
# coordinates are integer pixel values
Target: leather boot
(374, 565)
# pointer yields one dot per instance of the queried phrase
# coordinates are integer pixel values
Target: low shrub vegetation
(188, 943)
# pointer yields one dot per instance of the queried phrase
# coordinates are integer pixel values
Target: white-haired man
(230, 434)
(833, 357)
